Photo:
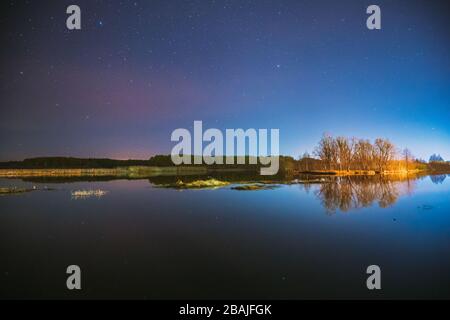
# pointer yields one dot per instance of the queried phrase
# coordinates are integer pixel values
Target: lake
(295, 241)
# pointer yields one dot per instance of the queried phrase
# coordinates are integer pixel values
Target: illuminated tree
(407, 156)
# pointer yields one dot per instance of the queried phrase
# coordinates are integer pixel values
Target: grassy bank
(132, 172)
(359, 172)
(13, 173)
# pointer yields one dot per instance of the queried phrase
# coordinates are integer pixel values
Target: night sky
(140, 69)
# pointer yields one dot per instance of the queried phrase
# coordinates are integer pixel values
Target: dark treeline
(439, 166)
(84, 163)
(69, 163)
(286, 162)
(166, 161)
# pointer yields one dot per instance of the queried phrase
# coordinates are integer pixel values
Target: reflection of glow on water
(81, 194)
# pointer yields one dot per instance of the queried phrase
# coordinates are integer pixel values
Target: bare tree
(407, 156)
(326, 151)
(384, 152)
(344, 148)
(363, 154)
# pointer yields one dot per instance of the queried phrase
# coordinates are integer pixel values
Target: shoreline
(343, 173)
(120, 172)
(152, 171)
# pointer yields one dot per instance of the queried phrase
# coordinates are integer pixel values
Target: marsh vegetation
(83, 194)
(13, 190)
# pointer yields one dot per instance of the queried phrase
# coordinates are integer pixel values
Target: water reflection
(349, 193)
(438, 179)
(334, 193)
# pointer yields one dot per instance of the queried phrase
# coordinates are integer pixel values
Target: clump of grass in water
(198, 184)
(254, 187)
(83, 194)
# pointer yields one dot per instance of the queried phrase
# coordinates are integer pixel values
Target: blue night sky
(140, 69)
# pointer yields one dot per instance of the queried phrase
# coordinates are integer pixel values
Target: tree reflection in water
(354, 192)
(438, 179)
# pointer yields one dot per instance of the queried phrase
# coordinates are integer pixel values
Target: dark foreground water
(295, 241)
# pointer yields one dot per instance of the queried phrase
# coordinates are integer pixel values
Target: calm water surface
(295, 241)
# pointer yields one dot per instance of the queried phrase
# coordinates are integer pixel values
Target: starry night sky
(140, 69)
